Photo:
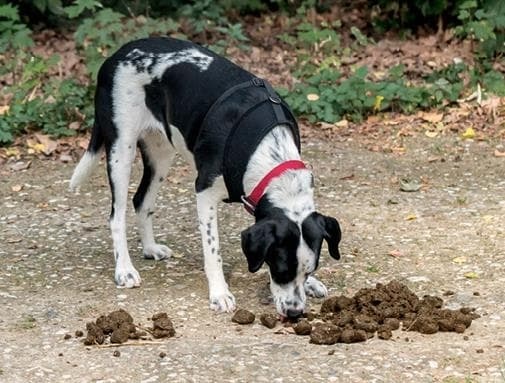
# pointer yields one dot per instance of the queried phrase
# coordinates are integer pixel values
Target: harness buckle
(257, 81)
(248, 205)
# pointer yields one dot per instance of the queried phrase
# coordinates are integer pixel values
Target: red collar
(252, 200)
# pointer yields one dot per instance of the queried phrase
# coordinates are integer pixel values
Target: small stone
(79, 333)
(163, 354)
(243, 316)
(116, 353)
(67, 336)
(479, 351)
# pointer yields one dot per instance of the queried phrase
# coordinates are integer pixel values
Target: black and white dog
(162, 95)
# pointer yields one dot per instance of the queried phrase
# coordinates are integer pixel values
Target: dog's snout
(294, 313)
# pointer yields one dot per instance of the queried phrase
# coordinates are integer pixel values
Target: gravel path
(57, 273)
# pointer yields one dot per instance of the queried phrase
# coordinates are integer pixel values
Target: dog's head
(291, 251)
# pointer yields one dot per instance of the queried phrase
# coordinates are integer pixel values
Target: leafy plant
(13, 33)
(484, 23)
(327, 97)
(41, 104)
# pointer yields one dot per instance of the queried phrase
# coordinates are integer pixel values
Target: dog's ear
(317, 227)
(256, 241)
(332, 235)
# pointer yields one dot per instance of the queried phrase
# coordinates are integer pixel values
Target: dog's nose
(294, 313)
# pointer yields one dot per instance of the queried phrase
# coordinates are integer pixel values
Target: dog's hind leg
(157, 156)
(120, 157)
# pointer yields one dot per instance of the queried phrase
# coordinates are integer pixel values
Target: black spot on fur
(147, 177)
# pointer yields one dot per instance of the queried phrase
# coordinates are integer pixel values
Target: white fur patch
(157, 63)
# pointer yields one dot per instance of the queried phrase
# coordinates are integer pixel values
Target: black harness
(252, 109)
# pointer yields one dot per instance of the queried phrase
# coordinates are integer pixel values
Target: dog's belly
(180, 146)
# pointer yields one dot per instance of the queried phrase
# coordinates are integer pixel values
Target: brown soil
(118, 327)
(268, 320)
(381, 310)
(162, 326)
(242, 316)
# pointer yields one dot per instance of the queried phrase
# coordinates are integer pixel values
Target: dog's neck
(292, 192)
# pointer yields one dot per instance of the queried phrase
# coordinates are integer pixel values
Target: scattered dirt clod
(118, 327)
(162, 326)
(268, 320)
(325, 333)
(243, 316)
(302, 327)
(381, 310)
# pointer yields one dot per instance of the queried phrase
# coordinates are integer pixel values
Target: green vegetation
(36, 99)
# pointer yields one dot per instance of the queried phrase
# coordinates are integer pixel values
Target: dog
(163, 95)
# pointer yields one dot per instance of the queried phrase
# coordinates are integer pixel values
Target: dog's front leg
(220, 297)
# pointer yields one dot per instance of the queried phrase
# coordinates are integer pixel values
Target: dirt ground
(57, 272)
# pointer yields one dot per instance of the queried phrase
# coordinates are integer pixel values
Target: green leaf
(9, 12)
(80, 6)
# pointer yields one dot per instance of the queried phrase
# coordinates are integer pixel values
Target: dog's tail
(89, 160)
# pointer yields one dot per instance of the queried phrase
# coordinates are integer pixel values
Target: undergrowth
(36, 100)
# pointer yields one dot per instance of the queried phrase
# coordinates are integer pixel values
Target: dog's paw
(127, 278)
(157, 252)
(315, 288)
(222, 302)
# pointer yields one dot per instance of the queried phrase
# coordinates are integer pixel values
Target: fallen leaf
(395, 253)
(34, 147)
(17, 188)
(377, 103)
(432, 117)
(431, 133)
(459, 260)
(49, 145)
(349, 177)
(12, 152)
(342, 123)
(312, 97)
(4, 109)
(497, 153)
(20, 165)
(468, 134)
(75, 125)
(411, 217)
(471, 275)
(66, 158)
(408, 185)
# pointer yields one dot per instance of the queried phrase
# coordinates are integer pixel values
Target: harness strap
(249, 114)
